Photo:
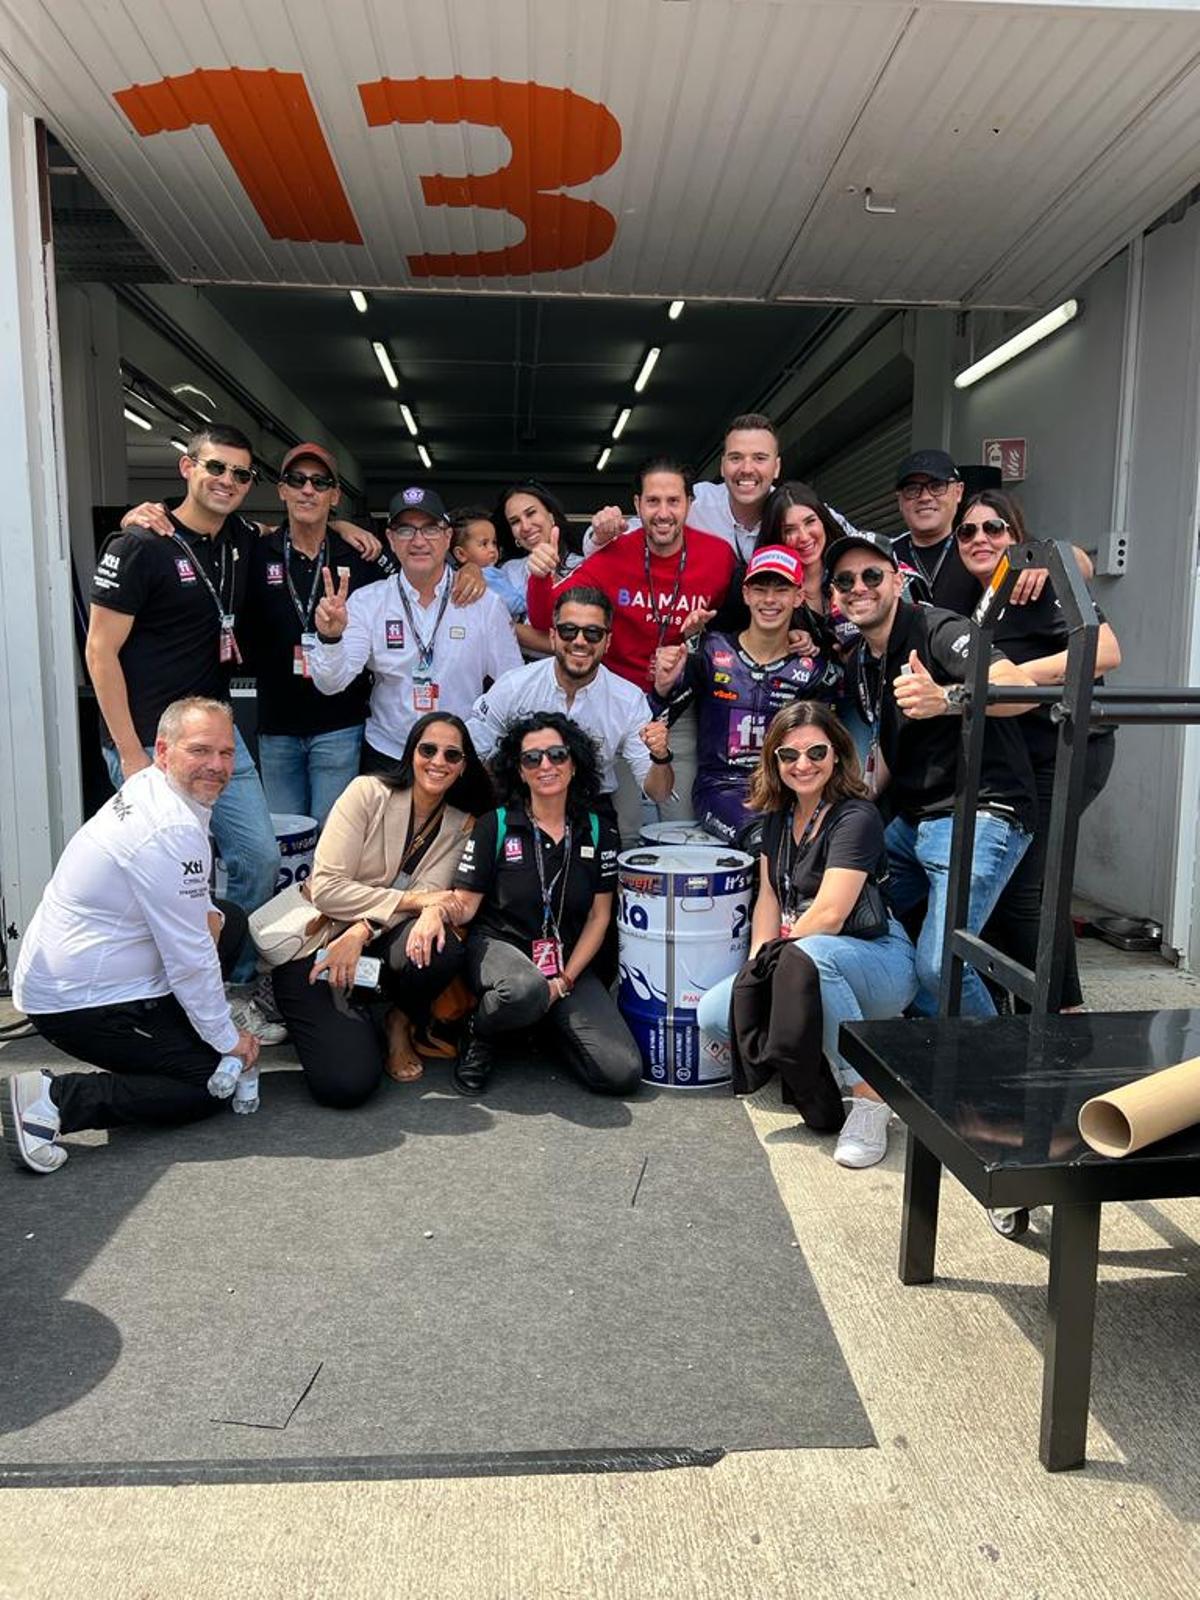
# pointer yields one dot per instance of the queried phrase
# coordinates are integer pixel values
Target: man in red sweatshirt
(665, 582)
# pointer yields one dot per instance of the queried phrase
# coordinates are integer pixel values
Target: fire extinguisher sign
(1010, 455)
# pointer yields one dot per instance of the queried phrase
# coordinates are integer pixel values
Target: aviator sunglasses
(992, 526)
(555, 755)
(871, 576)
(450, 754)
(787, 756)
(568, 632)
(319, 480)
(218, 469)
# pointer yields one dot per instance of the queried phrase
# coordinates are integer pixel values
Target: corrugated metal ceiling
(660, 148)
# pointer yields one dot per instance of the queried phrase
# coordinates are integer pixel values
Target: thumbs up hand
(332, 615)
(543, 558)
(917, 695)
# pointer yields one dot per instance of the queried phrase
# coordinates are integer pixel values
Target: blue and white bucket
(684, 924)
(685, 831)
(297, 840)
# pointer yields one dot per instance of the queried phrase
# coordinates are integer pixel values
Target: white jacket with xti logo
(125, 916)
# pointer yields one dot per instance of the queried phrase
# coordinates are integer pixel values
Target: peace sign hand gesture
(332, 616)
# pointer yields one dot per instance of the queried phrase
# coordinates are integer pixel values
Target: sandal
(426, 1043)
(402, 1064)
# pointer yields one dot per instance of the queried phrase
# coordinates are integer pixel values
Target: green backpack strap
(595, 822)
(501, 828)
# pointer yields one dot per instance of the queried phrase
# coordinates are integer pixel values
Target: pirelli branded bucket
(297, 840)
(685, 831)
(684, 924)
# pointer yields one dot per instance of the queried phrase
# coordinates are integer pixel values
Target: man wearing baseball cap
(739, 682)
(309, 743)
(908, 667)
(425, 651)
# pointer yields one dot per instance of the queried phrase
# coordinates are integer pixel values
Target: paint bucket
(297, 840)
(684, 924)
(686, 831)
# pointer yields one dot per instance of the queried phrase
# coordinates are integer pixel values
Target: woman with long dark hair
(536, 883)
(528, 518)
(1033, 635)
(823, 948)
(381, 886)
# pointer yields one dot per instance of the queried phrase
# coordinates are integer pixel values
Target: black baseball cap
(931, 463)
(862, 540)
(417, 499)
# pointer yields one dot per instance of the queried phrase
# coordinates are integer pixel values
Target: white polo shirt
(610, 709)
(125, 916)
(712, 513)
(471, 643)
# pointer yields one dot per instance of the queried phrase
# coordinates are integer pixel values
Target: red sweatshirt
(643, 618)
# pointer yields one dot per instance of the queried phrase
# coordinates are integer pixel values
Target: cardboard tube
(1153, 1108)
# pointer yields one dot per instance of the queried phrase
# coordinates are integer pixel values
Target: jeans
(245, 840)
(860, 978)
(919, 858)
(305, 774)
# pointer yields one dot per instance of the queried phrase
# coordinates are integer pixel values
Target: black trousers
(340, 1039)
(156, 1064)
(1013, 925)
(513, 994)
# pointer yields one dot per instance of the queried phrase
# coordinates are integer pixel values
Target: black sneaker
(474, 1065)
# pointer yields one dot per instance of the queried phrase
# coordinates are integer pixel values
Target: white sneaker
(247, 1016)
(32, 1123)
(864, 1136)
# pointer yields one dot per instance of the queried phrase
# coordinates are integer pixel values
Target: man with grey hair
(121, 965)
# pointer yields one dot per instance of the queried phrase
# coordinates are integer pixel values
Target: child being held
(473, 538)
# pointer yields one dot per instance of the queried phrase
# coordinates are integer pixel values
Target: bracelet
(663, 760)
(330, 638)
(567, 983)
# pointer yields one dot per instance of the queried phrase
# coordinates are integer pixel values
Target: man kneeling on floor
(121, 965)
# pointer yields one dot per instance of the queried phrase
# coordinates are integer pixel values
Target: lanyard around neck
(304, 613)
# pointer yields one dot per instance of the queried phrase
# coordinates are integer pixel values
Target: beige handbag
(287, 927)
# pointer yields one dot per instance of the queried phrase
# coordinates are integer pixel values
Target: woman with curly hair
(536, 884)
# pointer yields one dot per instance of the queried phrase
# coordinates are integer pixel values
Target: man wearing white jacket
(121, 965)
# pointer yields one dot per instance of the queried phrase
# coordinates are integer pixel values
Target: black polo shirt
(922, 756)
(173, 648)
(947, 581)
(508, 880)
(289, 704)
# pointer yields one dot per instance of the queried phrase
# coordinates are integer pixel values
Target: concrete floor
(952, 1503)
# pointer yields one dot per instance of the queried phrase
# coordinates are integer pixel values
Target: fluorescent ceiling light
(675, 309)
(358, 300)
(1004, 353)
(385, 362)
(619, 425)
(426, 458)
(643, 377)
(410, 422)
(138, 420)
(603, 460)
(180, 445)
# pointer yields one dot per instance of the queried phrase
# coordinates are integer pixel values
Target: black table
(996, 1102)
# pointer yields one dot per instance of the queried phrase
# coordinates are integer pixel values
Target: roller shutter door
(861, 480)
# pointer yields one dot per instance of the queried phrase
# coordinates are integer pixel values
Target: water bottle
(245, 1097)
(224, 1080)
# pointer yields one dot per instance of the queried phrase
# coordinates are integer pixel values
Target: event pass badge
(300, 666)
(547, 957)
(425, 694)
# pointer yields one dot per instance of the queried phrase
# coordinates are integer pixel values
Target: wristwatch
(957, 696)
(663, 760)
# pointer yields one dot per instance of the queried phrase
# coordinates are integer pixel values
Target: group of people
(734, 651)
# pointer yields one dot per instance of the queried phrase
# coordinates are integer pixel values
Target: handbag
(286, 927)
(868, 918)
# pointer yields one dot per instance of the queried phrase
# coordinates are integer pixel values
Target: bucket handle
(696, 903)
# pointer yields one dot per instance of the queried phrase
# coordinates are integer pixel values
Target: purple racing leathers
(736, 698)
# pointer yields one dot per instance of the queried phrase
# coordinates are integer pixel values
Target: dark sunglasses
(218, 469)
(555, 755)
(871, 576)
(450, 754)
(992, 526)
(570, 631)
(319, 480)
(787, 756)
(934, 486)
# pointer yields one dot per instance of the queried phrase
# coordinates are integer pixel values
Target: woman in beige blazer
(381, 884)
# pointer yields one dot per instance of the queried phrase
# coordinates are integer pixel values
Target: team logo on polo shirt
(185, 569)
(513, 849)
(394, 633)
(722, 658)
(962, 645)
(275, 572)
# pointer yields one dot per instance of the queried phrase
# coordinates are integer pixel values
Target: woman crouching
(823, 948)
(536, 883)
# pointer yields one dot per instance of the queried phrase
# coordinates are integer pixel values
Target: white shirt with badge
(125, 916)
(423, 658)
(609, 708)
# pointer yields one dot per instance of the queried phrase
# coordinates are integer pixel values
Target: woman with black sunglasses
(823, 948)
(536, 881)
(381, 887)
